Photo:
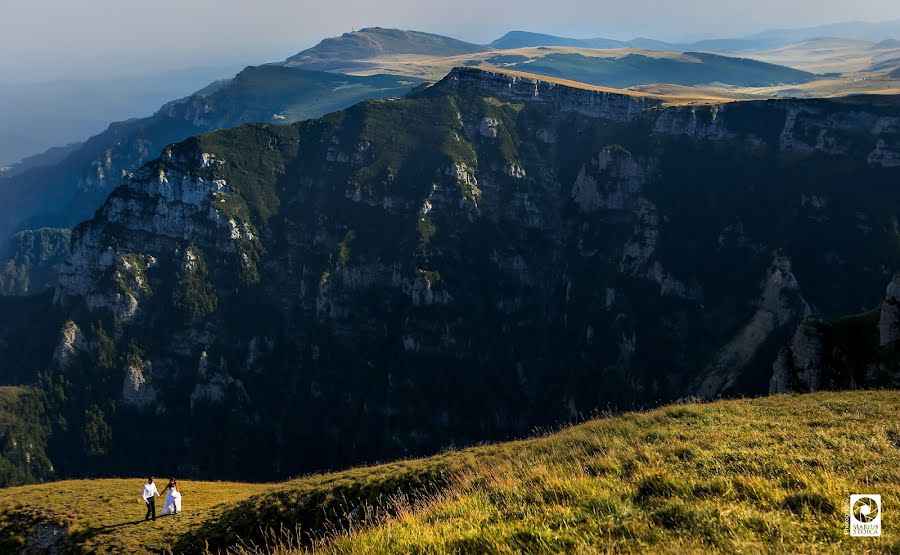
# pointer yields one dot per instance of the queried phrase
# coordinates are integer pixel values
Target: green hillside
(761, 475)
(341, 53)
(692, 68)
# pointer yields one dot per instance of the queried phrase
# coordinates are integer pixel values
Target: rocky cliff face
(889, 320)
(68, 192)
(855, 351)
(481, 257)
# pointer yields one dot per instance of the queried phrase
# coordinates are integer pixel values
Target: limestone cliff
(889, 321)
(857, 351)
(65, 193)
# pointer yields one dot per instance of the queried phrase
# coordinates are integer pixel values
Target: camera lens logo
(863, 510)
(865, 515)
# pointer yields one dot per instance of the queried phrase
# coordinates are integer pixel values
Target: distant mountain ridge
(522, 39)
(873, 31)
(641, 68)
(49, 157)
(431, 56)
(332, 53)
(38, 116)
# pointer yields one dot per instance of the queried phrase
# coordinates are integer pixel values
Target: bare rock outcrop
(136, 389)
(857, 351)
(781, 304)
(799, 366)
(71, 342)
(889, 322)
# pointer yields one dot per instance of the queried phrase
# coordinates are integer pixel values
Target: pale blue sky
(50, 39)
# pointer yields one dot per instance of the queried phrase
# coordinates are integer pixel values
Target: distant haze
(61, 39)
(37, 116)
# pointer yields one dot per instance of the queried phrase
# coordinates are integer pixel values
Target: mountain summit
(340, 53)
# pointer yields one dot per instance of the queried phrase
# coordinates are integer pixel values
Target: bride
(173, 498)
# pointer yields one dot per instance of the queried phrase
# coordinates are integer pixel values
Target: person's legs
(151, 509)
(147, 501)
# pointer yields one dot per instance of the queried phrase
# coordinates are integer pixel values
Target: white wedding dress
(173, 502)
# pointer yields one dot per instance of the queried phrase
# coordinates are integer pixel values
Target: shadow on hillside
(100, 530)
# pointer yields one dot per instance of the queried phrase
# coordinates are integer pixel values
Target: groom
(149, 492)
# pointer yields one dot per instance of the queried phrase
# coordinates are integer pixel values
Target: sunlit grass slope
(761, 475)
(106, 516)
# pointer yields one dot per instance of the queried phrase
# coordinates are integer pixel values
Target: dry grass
(741, 476)
(762, 475)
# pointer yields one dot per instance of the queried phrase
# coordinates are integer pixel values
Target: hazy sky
(50, 39)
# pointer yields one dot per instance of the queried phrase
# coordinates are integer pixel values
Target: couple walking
(173, 498)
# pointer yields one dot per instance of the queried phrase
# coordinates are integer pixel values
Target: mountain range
(522, 39)
(873, 32)
(41, 114)
(65, 186)
(492, 253)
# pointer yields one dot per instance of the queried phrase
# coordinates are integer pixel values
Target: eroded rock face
(799, 366)
(611, 181)
(524, 89)
(136, 391)
(488, 127)
(780, 304)
(698, 123)
(640, 248)
(884, 157)
(71, 342)
(889, 322)
(215, 385)
(840, 355)
(152, 215)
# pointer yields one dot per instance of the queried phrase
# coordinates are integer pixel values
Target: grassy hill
(770, 474)
(342, 53)
(626, 69)
(593, 61)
